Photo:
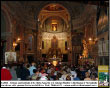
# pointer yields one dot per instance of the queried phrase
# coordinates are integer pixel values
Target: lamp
(14, 45)
(92, 40)
(18, 39)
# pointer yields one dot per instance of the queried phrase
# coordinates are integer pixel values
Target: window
(42, 44)
(65, 45)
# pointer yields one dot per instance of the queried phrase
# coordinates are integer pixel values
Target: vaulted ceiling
(27, 12)
(34, 7)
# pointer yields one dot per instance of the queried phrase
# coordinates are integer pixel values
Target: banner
(49, 83)
(10, 57)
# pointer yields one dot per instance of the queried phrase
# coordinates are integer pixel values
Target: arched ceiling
(27, 11)
(74, 8)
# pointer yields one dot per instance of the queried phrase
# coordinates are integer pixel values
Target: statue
(54, 51)
(85, 51)
(54, 56)
(54, 42)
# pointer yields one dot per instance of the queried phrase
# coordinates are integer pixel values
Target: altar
(55, 60)
(54, 51)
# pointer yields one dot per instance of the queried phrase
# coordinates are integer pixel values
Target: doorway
(65, 58)
(30, 58)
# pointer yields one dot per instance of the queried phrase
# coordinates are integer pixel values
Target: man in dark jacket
(23, 72)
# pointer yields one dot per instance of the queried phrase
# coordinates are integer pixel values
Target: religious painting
(10, 57)
(54, 27)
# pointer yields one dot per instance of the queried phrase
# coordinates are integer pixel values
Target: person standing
(5, 73)
(32, 68)
(13, 72)
(23, 72)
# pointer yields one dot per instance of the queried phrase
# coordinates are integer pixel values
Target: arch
(51, 14)
(3, 23)
(54, 9)
(54, 2)
(7, 17)
(60, 5)
(54, 15)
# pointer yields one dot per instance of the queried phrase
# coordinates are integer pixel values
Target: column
(14, 31)
(73, 57)
(39, 44)
(21, 59)
(36, 44)
(69, 49)
(9, 37)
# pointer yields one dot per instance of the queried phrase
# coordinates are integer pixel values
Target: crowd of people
(45, 71)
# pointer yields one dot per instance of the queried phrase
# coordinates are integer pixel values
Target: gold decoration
(54, 56)
(54, 27)
(55, 63)
(85, 51)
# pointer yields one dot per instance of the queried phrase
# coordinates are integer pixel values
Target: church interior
(72, 32)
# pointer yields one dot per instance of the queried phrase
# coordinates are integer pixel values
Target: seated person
(93, 77)
(68, 78)
(35, 75)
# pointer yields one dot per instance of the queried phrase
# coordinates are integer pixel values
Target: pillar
(21, 59)
(39, 45)
(9, 37)
(69, 49)
(14, 31)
